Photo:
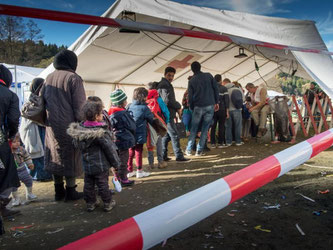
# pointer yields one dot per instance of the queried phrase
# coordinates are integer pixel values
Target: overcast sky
(66, 33)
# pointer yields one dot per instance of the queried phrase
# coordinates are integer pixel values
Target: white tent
(109, 58)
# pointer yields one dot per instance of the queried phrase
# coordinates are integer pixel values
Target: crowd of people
(80, 137)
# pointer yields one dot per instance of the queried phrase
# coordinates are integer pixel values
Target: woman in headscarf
(33, 137)
(9, 122)
(64, 96)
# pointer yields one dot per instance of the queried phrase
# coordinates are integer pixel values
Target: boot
(5, 212)
(29, 195)
(59, 192)
(16, 199)
(72, 195)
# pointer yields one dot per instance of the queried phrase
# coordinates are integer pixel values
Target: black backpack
(237, 98)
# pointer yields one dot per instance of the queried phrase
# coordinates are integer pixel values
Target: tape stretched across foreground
(153, 226)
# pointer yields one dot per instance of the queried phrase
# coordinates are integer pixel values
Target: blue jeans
(203, 116)
(158, 152)
(234, 120)
(172, 136)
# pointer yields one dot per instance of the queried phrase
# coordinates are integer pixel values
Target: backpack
(237, 98)
(155, 108)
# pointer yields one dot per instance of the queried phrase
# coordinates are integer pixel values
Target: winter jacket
(167, 93)
(9, 121)
(64, 96)
(223, 97)
(123, 126)
(202, 90)
(99, 152)
(141, 115)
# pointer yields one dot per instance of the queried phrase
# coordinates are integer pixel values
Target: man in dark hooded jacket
(167, 93)
(9, 122)
(64, 96)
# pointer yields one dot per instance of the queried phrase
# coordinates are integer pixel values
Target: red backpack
(153, 105)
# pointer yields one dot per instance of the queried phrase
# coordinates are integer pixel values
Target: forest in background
(21, 43)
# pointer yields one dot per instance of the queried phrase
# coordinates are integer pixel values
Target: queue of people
(80, 136)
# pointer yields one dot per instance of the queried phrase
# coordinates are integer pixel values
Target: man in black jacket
(203, 97)
(220, 115)
(9, 122)
(167, 93)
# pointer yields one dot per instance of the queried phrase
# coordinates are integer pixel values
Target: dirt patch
(59, 223)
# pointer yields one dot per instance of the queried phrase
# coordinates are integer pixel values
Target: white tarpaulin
(108, 58)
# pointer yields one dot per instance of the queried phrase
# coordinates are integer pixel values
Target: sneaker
(31, 197)
(213, 146)
(200, 153)
(108, 206)
(188, 153)
(162, 164)
(126, 183)
(183, 159)
(141, 174)
(91, 206)
(131, 174)
(222, 146)
(239, 144)
(16, 202)
(227, 145)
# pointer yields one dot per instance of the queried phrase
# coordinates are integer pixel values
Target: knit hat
(118, 97)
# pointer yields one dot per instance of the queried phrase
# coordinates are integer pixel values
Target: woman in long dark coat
(9, 121)
(64, 97)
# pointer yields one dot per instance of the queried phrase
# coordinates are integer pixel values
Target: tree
(33, 33)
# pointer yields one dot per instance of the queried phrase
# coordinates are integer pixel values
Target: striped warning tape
(149, 228)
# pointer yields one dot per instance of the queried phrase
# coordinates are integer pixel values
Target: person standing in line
(221, 115)
(123, 126)
(9, 122)
(236, 98)
(33, 138)
(64, 96)
(142, 115)
(203, 97)
(167, 93)
(99, 154)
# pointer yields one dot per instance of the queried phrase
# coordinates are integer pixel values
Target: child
(106, 118)
(141, 114)
(22, 158)
(98, 154)
(124, 130)
(161, 112)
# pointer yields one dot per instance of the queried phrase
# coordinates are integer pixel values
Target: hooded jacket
(99, 152)
(167, 93)
(123, 126)
(141, 114)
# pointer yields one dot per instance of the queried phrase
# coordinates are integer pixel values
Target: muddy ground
(57, 223)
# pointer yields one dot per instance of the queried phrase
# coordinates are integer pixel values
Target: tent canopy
(107, 56)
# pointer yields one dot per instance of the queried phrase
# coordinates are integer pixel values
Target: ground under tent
(110, 57)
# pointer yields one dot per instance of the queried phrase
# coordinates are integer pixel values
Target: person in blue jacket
(142, 115)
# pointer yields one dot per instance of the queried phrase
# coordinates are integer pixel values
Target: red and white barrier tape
(149, 228)
(118, 23)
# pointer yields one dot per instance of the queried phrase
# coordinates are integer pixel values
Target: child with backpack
(123, 126)
(142, 115)
(22, 159)
(98, 154)
(161, 112)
